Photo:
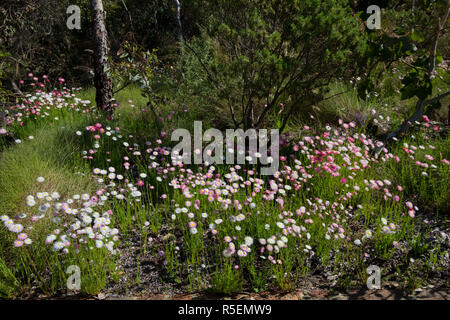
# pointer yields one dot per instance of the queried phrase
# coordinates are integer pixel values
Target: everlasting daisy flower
(280, 225)
(248, 241)
(58, 245)
(227, 253)
(18, 243)
(22, 236)
(136, 193)
(40, 179)
(87, 219)
(241, 253)
(16, 228)
(98, 243)
(192, 224)
(280, 244)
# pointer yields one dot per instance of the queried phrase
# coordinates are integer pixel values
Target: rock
(167, 237)
(101, 296)
(339, 297)
(319, 293)
(298, 295)
(160, 297)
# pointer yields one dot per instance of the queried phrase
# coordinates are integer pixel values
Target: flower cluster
(77, 221)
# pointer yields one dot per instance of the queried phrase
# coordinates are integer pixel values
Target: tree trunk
(103, 84)
(178, 17)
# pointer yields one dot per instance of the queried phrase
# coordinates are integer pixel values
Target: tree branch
(420, 106)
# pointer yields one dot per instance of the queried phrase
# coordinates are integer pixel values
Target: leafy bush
(264, 53)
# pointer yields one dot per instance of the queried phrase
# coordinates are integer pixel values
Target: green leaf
(434, 106)
(416, 36)
(407, 92)
(416, 84)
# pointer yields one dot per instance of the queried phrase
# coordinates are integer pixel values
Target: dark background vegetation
(34, 38)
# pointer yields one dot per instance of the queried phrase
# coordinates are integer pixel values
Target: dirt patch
(315, 294)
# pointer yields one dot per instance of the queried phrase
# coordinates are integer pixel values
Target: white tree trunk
(102, 82)
(178, 17)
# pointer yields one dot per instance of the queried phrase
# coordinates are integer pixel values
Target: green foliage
(136, 66)
(405, 42)
(416, 84)
(5, 67)
(227, 280)
(8, 282)
(192, 88)
(264, 53)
